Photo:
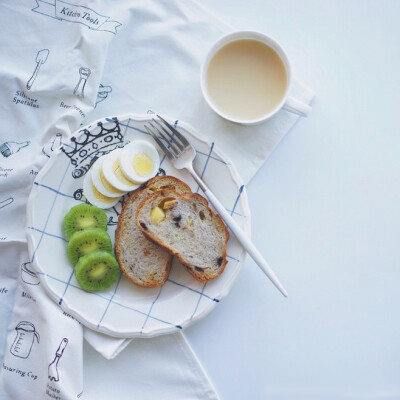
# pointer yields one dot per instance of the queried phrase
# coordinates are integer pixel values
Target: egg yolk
(120, 175)
(142, 164)
(107, 185)
(101, 197)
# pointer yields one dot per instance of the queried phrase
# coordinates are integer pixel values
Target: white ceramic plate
(126, 310)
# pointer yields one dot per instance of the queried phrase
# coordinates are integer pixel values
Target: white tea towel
(43, 344)
(167, 43)
(109, 347)
(175, 374)
(64, 64)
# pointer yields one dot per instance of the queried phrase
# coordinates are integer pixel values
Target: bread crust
(206, 273)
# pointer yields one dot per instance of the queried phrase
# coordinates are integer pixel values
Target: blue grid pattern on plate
(43, 230)
(110, 300)
(102, 296)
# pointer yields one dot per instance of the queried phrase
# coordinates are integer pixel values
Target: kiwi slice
(86, 241)
(84, 216)
(97, 271)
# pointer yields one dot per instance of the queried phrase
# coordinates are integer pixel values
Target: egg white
(96, 199)
(127, 155)
(102, 185)
(121, 182)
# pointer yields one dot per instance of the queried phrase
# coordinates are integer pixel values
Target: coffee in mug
(245, 78)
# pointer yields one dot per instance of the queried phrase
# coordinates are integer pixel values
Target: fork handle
(240, 235)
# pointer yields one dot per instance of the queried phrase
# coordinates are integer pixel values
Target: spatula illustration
(40, 59)
(53, 367)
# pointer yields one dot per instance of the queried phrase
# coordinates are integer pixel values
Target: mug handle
(296, 107)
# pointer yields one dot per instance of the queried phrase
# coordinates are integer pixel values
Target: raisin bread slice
(143, 262)
(185, 225)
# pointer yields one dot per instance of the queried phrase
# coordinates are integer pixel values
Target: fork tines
(176, 143)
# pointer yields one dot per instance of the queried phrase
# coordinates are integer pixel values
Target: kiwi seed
(86, 241)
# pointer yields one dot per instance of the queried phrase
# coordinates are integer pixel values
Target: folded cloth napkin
(167, 43)
(64, 64)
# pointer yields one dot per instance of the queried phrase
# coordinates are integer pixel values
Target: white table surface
(325, 210)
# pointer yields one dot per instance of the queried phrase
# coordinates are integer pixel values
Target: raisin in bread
(143, 262)
(185, 225)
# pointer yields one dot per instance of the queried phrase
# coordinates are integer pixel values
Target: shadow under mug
(287, 102)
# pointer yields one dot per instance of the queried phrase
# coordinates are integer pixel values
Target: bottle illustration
(41, 58)
(23, 342)
(9, 148)
(54, 144)
(53, 366)
(84, 74)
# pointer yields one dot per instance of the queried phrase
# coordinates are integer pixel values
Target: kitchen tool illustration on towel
(84, 74)
(9, 148)
(6, 202)
(52, 145)
(53, 366)
(41, 58)
(102, 93)
(28, 275)
(25, 336)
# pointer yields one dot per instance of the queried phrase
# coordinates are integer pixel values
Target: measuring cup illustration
(23, 342)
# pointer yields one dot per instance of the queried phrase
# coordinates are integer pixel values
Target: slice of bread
(185, 225)
(143, 262)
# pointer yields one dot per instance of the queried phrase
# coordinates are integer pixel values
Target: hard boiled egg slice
(114, 175)
(94, 196)
(101, 183)
(139, 161)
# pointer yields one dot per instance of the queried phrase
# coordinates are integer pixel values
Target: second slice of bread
(190, 230)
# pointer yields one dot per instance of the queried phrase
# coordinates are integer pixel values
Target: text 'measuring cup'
(246, 77)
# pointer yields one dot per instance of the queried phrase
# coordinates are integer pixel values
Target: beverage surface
(246, 79)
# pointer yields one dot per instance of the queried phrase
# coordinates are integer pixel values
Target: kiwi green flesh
(84, 216)
(97, 271)
(87, 241)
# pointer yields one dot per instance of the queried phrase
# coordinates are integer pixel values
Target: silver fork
(181, 153)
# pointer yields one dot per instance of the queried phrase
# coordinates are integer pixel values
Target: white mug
(287, 102)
